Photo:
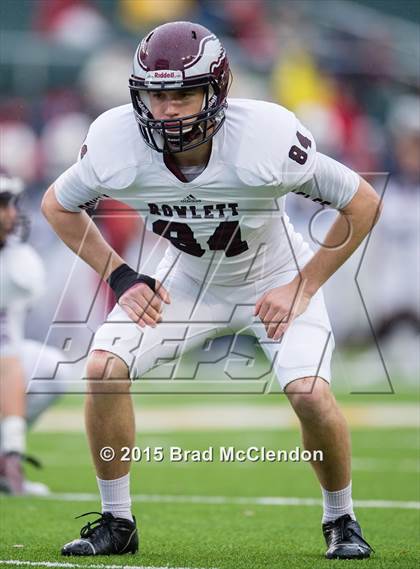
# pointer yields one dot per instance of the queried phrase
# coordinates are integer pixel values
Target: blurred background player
(22, 282)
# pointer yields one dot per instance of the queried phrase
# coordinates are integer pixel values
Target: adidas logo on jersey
(190, 199)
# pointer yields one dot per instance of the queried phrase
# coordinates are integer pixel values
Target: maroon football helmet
(180, 55)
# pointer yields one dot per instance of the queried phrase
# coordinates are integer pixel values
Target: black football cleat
(105, 536)
(344, 539)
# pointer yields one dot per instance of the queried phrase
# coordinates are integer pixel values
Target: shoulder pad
(115, 148)
(258, 136)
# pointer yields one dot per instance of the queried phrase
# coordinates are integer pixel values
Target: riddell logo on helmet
(164, 75)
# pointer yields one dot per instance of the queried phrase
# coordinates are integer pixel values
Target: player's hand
(144, 306)
(278, 307)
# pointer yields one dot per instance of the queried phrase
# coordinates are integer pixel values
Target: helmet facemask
(178, 134)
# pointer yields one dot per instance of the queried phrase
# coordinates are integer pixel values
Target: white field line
(239, 500)
(17, 563)
(212, 417)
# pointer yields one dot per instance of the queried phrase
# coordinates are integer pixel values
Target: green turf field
(207, 515)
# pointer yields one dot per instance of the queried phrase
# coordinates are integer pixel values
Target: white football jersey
(22, 279)
(228, 224)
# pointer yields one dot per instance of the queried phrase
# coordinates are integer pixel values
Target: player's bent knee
(310, 397)
(104, 365)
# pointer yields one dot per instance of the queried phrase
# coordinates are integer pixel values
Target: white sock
(13, 434)
(115, 496)
(337, 504)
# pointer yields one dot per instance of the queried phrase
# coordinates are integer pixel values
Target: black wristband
(123, 277)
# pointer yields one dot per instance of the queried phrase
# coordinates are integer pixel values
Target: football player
(211, 175)
(21, 282)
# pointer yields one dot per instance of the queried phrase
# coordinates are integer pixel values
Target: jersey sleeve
(313, 175)
(300, 160)
(332, 183)
(79, 187)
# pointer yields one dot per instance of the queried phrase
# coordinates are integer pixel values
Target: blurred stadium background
(350, 71)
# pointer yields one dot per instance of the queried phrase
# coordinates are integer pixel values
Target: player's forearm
(81, 235)
(349, 229)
